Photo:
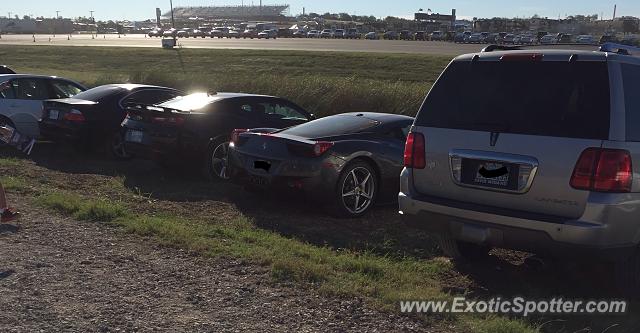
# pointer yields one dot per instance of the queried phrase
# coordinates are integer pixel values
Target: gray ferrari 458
(350, 161)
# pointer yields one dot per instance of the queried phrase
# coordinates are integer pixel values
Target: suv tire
(458, 250)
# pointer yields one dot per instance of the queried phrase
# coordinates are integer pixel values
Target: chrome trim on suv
(526, 161)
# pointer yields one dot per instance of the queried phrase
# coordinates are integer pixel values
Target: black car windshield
(332, 126)
(99, 93)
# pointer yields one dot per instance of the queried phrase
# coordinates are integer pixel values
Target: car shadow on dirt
(504, 273)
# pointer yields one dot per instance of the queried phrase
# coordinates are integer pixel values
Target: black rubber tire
(208, 168)
(339, 208)
(113, 140)
(5, 121)
(461, 251)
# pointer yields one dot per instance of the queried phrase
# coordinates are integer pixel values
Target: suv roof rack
(620, 49)
(495, 47)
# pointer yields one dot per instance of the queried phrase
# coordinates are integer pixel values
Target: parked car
(171, 33)
(420, 35)
(234, 33)
(630, 40)
(492, 39)
(562, 183)
(484, 36)
(586, 39)
(462, 37)
(6, 70)
(339, 33)
(350, 160)
(352, 33)
(219, 32)
(299, 34)
(326, 33)
(285, 33)
(22, 96)
(267, 34)
(405, 35)
(475, 38)
(437, 36)
(509, 39)
(390, 35)
(197, 128)
(313, 34)
(608, 39)
(566, 39)
(92, 118)
(157, 32)
(527, 40)
(372, 35)
(195, 33)
(184, 33)
(249, 33)
(548, 39)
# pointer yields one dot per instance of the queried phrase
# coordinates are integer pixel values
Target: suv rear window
(631, 79)
(557, 99)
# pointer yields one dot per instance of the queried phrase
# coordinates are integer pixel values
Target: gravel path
(59, 275)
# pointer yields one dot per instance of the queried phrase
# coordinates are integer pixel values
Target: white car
(549, 39)
(313, 34)
(268, 34)
(585, 39)
(326, 33)
(21, 98)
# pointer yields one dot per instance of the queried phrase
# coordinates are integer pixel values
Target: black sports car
(197, 128)
(93, 118)
(353, 159)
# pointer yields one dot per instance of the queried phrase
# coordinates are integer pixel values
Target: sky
(143, 9)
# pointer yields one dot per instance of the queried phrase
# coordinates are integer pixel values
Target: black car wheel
(116, 147)
(357, 189)
(217, 163)
(5, 122)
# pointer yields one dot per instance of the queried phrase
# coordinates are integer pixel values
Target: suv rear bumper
(604, 230)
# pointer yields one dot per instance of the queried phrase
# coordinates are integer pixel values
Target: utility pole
(173, 19)
(9, 17)
(91, 11)
(57, 14)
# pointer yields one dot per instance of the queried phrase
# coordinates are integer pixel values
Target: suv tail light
(74, 115)
(603, 170)
(415, 151)
(235, 135)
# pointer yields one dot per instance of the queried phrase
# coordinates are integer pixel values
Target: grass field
(322, 82)
(376, 257)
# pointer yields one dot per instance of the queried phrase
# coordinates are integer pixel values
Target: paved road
(380, 46)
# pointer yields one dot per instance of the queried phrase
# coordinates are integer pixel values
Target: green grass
(15, 184)
(383, 280)
(324, 83)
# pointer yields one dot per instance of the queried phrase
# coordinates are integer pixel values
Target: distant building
(36, 26)
(270, 12)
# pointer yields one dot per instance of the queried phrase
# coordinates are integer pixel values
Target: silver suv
(534, 150)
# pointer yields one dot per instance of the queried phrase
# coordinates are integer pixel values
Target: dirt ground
(60, 275)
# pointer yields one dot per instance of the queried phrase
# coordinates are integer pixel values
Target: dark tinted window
(332, 126)
(99, 93)
(64, 89)
(538, 98)
(30, 89)
(631, 79)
